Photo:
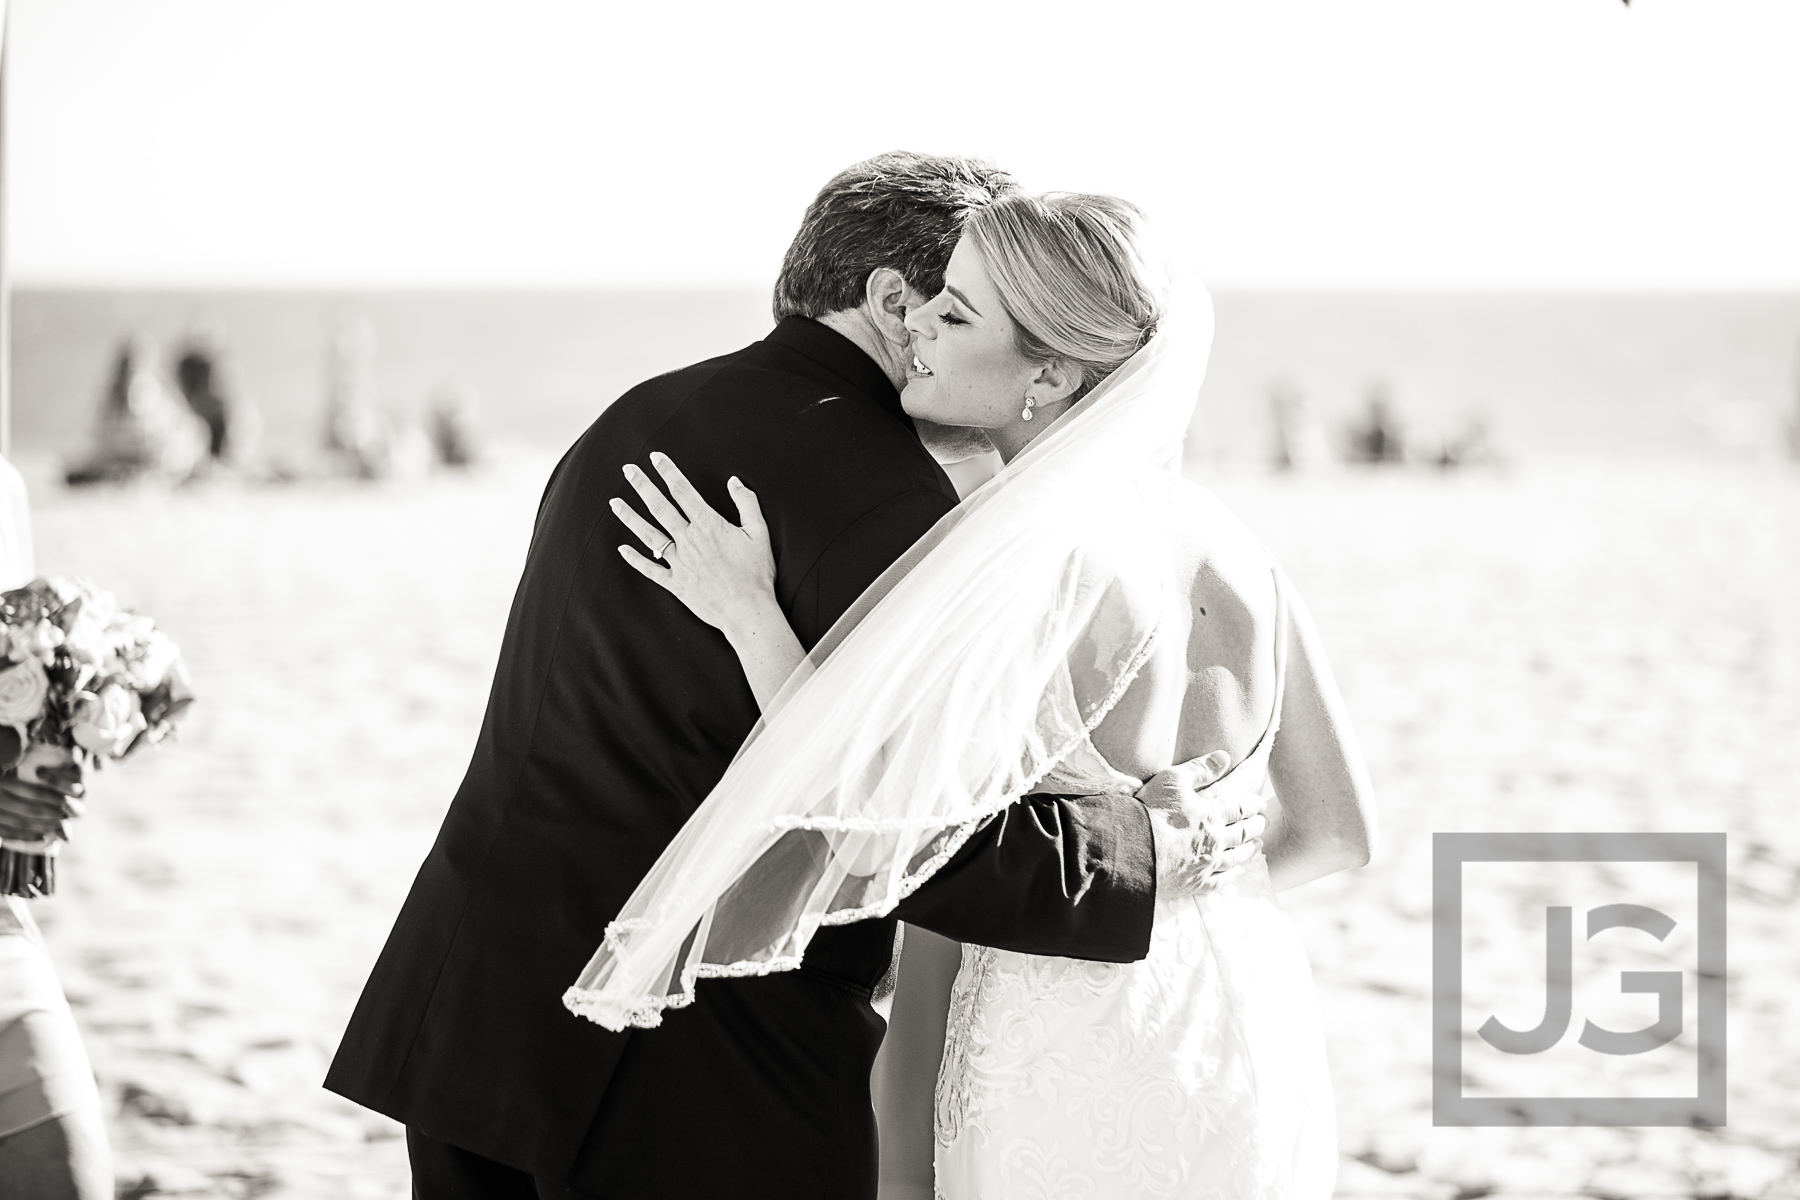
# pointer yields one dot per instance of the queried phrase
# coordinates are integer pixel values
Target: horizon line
(1546, 289)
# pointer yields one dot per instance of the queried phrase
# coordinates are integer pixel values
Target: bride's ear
(887, 296)
(1055, 382)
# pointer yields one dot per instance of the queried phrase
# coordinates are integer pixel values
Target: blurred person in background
(145, 431)
(357, 432)
(200, 373)
(1380, 439)
(455, 427)
(1470, 444)
(1793, 421)
(1300, 441)
(52, 1138)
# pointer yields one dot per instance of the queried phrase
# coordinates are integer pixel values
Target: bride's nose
(916, 323)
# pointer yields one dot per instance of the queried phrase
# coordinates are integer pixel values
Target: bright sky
(1437, 143)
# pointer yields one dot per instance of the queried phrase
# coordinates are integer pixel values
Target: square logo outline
(1449, 1107)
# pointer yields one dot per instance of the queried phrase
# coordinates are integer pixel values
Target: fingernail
(734, 482)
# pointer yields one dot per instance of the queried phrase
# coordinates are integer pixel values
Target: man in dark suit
(614, 712)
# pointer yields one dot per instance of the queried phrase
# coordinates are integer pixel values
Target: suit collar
(840, 356)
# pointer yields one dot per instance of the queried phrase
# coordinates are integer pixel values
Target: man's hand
(1200, 842)
(29, 810)
(38, 810)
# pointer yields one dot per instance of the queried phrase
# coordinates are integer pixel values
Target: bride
(1084, 620)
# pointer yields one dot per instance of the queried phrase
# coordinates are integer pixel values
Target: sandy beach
(1565, 645)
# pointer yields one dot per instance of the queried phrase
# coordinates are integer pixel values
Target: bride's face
(966, 368)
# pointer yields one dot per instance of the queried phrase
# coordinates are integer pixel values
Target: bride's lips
(919, 370)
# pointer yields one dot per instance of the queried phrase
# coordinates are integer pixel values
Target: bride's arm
(1324, 818)
(724, 573)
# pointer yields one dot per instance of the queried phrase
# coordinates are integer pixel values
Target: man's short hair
(899, 210)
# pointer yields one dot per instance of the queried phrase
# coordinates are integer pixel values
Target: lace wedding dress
(1196, 1072)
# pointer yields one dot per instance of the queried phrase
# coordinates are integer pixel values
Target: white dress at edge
(44, 1070)
(16, 555)
(1196, 1072)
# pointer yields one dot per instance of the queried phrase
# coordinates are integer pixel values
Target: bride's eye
(948, 319)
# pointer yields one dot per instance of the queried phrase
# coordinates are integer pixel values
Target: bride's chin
(915, 398)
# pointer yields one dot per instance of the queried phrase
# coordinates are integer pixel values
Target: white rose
(109, 722)
(38, 640)
(87, 622)
(127, 629)
(23, 689)
(86, 640)
(100, 606)
(157, 658)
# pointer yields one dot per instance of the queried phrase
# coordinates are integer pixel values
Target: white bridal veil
(966, 672)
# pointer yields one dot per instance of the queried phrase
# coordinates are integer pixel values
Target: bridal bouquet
(81, 681)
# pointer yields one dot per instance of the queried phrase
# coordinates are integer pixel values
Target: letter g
(1665, 985)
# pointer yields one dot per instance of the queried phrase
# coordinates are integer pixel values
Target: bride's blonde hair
(1075, 275)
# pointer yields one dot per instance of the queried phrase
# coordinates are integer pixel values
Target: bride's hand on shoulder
(724, 573)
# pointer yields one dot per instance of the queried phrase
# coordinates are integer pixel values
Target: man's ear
(886, 297)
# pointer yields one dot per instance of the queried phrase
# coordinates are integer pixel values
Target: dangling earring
(1029, 401)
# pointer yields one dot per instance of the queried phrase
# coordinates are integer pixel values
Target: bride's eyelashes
(951, 319)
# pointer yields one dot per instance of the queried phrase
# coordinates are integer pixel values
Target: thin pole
(5, 278)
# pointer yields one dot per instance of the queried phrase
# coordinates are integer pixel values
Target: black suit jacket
(613, 713)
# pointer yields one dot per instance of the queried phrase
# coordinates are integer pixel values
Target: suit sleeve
(1071, 876)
